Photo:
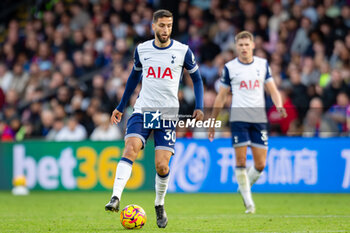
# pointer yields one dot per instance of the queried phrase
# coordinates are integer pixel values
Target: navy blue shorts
(245, 133)
(164, 137)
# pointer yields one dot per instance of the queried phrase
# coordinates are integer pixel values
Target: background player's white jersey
(162, 70)
(247, 85)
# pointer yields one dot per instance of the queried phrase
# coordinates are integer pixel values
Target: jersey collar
(245, 63)
(155, 46)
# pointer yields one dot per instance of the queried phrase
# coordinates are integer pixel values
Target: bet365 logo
(151, 120)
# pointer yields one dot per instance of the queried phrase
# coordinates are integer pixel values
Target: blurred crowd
(63, 71)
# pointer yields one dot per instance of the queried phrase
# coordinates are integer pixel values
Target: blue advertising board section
(293, 165)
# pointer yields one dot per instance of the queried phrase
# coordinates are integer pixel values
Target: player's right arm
(220, 99)
(131, 84)
(218, 105)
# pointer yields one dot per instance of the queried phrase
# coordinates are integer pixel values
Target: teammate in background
(246, 77)
(159, 64)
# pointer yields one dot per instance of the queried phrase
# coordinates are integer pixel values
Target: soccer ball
(19, 186)
(19, 181)
(133, 217)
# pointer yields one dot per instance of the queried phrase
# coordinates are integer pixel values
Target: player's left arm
(192, 68)
(275, 94)
(276, 97)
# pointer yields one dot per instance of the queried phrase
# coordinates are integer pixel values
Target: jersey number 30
(170, 135)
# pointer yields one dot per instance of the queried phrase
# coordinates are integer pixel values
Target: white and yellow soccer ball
(19, 186)
(19, 181)
(133, 217)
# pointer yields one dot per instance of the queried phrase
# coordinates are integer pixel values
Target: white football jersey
(247, 86)
(162, 70)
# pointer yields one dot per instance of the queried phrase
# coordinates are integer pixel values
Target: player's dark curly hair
(160, 14)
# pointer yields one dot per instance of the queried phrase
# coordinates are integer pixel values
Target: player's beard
(247, 56)
(161, 40)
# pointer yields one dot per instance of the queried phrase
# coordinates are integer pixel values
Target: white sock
(122, 176)
(253, 175)
(244, 185)
(161, 188)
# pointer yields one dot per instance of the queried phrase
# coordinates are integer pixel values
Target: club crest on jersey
(157, 72)
(173, 58)
(249, 84)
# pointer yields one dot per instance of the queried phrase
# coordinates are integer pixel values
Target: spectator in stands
(63, 98)
(315, 124)
(2, 98)
(12, 98)
(325, 76)
(279, 15)
(224, 37)
(298, 95)
(301, 41)
(67, 70)
(119, 28)
(58, 109)
(57, 126)
(340, 55)
(5, 77)
(77, 42)
(104, 130)
(105, 57)
(337, 112)
(88, 63)
(47, 119)
(207, 53)
(309, 74)
(20, 78)
(335, 86)
(98, 91)
(57, 81)
(72, 131)
(279, 125)
(348, 121)
(80, 17)
(6, 133)
(25, 132)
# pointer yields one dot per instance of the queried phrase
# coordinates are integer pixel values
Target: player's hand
(116, 117)
(282, 112)
(198, 115)
(211, 134)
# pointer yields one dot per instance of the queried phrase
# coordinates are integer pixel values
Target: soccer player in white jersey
(246, 76)
(159, 65)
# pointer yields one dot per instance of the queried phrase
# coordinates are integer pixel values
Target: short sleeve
(225, 77)
(137, 63)
(268, 76)
(190, 62)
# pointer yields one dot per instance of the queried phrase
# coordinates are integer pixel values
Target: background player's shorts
(164, 138)
(245, 133)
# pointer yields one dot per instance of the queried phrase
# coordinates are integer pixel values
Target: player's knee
(131, 150)
(162, 168)
(260, 166)
(240, 162)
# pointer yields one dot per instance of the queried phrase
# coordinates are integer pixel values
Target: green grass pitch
(84, 212)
